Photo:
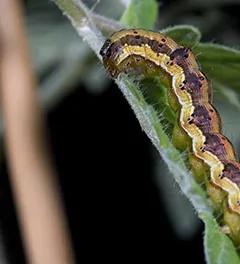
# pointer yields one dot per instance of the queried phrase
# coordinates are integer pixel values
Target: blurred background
(118, 193)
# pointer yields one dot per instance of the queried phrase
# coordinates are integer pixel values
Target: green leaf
(227, 92)
(140, 14)
(218, 247)
(220, 63)
(152, 125)
(156, 95)
(184, 35)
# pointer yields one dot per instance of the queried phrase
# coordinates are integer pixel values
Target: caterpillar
(198, 127)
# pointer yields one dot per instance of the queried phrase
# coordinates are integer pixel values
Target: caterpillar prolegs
(198, 126)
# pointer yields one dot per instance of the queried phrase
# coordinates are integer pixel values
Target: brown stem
(33, 180)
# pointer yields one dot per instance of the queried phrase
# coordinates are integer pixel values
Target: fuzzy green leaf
(220, 63)
(218, 247)
(152, 125)
(184, 35)
(140, 14)
(230, 94)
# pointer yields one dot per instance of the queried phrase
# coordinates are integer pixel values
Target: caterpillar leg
(232, 220)
(198, 169)
(180, 139)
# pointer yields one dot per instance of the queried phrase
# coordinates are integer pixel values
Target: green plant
(221, 63)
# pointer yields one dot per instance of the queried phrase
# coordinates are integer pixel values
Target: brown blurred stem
(33, 180)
